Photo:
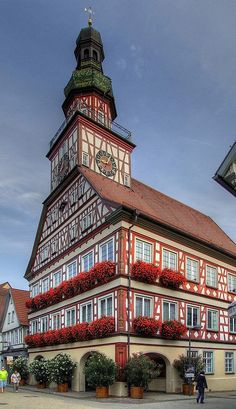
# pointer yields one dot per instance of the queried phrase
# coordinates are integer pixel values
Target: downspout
(133, 220)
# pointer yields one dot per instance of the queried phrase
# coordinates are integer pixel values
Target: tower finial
(90, 13)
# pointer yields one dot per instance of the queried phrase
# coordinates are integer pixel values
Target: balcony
(97, 117)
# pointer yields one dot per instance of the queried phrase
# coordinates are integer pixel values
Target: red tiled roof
(19, 298)
(162, 209)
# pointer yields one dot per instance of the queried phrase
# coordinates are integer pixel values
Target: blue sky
(172, 63)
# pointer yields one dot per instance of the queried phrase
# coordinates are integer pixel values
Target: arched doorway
(159, 384)
(83, 386)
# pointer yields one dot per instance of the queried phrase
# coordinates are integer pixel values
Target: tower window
(86, 53)
(95, 55)
(85, 159)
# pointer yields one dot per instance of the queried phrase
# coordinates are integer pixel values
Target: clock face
(106, 163)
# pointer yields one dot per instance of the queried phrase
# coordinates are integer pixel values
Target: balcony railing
(96, 116)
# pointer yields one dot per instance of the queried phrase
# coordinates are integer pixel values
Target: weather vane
(90, 13)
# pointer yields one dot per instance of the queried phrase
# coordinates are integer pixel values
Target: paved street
(28, 399)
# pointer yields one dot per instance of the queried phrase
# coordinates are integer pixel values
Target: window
(45, 285)
(211, 276)
(192, 269)
(212, 320)
(54, 247)
(54, 215)
(95, 55)
(107, 251)
(34, 327)
(192, 316)
(57, 278)
(143, 251)
(73, 232)
(86, 312)
(70, 317)
(81, 189)
(35, 290)
(193, 354)
(85, 159)
(87, 261)
(56, 321)
(169, 311)
(73, 197)
(126, 180)
(9, 318)
(71, 270)
(208, 361)
(169, 259)
(229, 362)
(87, 221)
(105, 306)
(44, 253)
(44, 324)
(143, 306)
(232, 283)
(13, 316)
(232, 324)
(86, 53)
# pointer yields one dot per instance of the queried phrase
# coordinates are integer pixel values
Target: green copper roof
(89, 77)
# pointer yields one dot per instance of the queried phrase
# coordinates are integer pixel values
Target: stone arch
(80, 370)
(163, 382)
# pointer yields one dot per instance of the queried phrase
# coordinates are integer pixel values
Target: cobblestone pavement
(33, 399)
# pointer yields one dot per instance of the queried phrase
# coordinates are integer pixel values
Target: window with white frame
(81, 189)
(70, 315)
(232, 283)
(87, 221)
(211, 276)
(193, 316)
(73, 232)
(107, 251)
(56, 321)
(193, 353)
(71, 270)
(44, 327)
(73, 197)
(212, 319)
(12, 316)
(85, 159)
(192, 269)
(57, 278)
(35, 290)
(86, 312)
(143, 306)
(169, 259)
(45, 285)
(208, 361)
(229, 362)
(34, 327)
(54, 215)
(143, 251)
(105, 306)
(169, 311)
(54, 247)
(126, 179)
(87, 261)
(101, 117)
(232, 324)
(44, 253)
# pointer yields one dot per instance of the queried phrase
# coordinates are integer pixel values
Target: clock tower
(89, 137)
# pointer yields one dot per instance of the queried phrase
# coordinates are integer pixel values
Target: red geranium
(145, 326)
(145, 272)
(171, 278)
(173, 329)
(102, 327)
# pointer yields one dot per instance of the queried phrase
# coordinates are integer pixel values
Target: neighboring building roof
(162, 209)
(19, 298)
(3, 302)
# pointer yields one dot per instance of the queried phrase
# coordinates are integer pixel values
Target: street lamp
(190, 371)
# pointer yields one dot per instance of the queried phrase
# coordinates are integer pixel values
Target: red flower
(171, 278)
(173, 329)
(145, 272)
(145, 326)
(102, 327)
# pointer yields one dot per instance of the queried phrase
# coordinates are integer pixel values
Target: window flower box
(173, 329)
(145, 326)
(145, 272)
(172, 279)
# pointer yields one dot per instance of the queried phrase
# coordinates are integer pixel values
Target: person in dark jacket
(201, 385)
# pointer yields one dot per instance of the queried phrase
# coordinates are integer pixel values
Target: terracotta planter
(102, 392)
(41, 385)
(188, 389)
(62, 387)
(22, 382)
(136, 392)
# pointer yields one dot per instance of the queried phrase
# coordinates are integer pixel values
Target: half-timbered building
(86, 281)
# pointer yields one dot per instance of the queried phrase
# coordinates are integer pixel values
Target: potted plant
(145, 326)
(172, 329)
(145, 272)
(139, 371)
(61, 370)
(182, 364)
(100, 372)
(40, 369)
(21, 365)
(171, 279)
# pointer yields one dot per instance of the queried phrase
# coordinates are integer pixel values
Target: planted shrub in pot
(61, 371)
(40, 369)
(21, 365)
(139, 371)
(182, 363)
(100, 372)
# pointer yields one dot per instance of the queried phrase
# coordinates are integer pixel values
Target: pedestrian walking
(3, 379)
(15, 380)
(201, 386)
